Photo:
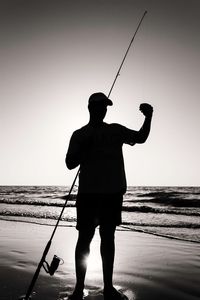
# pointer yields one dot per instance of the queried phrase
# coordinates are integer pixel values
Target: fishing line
(56, 260)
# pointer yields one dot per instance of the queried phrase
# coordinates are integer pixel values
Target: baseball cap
(99, 98)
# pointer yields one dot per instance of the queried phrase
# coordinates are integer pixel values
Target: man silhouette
(97, 148)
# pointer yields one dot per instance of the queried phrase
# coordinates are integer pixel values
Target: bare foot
(112, 294)
(77, 295)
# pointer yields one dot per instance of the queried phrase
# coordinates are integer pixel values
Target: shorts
(98, 209)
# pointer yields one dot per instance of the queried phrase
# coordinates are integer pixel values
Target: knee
(107, 234)
(85, 238)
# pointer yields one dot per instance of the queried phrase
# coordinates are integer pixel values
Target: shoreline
(151, 267)
(64, 224)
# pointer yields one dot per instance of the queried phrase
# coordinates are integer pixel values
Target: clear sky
(54, 54)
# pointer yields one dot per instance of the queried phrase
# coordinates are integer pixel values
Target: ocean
(172, 212)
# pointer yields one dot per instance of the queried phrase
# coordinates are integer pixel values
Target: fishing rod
(56, 260)
(123, 60)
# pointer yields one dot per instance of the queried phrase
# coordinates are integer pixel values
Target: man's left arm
(133, 137)
(144, 131)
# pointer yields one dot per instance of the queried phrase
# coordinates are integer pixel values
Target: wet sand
(146, 266)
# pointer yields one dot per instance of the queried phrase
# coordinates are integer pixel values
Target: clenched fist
(146, 109)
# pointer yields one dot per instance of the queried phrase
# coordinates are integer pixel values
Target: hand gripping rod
(46, 250)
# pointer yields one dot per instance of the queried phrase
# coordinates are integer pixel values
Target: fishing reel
(51, 269)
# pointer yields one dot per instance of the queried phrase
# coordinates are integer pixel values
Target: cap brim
(109, 102)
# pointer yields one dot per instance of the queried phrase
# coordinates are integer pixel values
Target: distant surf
(167, 211)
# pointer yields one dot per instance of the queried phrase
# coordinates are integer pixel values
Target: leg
(81, 253)
(107, 234)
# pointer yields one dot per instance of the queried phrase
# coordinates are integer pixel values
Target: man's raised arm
(143, 133)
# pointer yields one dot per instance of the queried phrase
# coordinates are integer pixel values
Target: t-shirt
(102, 166)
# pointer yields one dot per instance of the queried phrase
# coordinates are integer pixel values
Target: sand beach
(147, 266)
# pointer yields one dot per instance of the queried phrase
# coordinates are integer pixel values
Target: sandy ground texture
(147, 267)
